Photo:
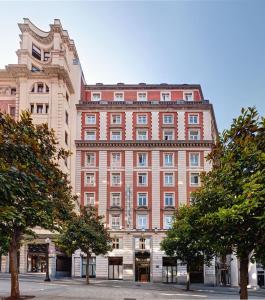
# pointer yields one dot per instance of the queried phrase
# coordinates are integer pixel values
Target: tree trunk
(244, 276)
(87, 267)
(13, 256)
(188, 277)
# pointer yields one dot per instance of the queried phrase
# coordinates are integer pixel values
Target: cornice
(144, 144)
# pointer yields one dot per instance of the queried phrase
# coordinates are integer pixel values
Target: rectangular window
(165, 96)
(194, 179)
(168, 135)
(13, 91)
(32, 108)
(66, 117)
(168, 179)
(96, 97)
(115, 136)
(90, 135)
(89, 199)
(142, 119)
(115, 221)
(168, 159)
(116, 243)
(115, 159)
(46, 108)
(141, 135)
(168, 222)
(36, 52)
(188, 96)
(12, 111)
(116, 179)
(142, 221)
(142, 179)
(194, 159)
(66, 138)
(91, 119)
(39, 108)
(194, 135)
(169, 199)
(90, 179)
(142, 96)
(40, 88)
(116, 199)
(142, 199)
(142, 159)
(118, 97)
(115, 119)
(90, 159)
(167, 119)
(193, 119)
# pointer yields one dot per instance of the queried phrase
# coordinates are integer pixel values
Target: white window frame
(173, 199)
(191, 119)
(142, 217)
(164, 159)
(40, 105)
(187, 93)
(115, 163)
(142, 139)
(92, 96)
(90, 131)
(191, 176)
(115, 96)
(142, 174)
(165, 116)
(138, 159)
(165, 176)
(93, 163)
(90, 182)
(112, 119)
(167, 131)
(117, 201)
(113, 183)
(115, 221)
(192, 137)
(163, 93)
(86, 201)
(93, 121)
(116, 136)
(140, 118)
(168, 225)
(190, 159)
(139, 195)
(141, 99)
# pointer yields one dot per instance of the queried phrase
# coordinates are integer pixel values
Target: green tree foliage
(33, 190)
(232, 197)
(86, 232)
(184, 240)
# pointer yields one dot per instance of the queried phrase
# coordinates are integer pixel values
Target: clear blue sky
(219, 44)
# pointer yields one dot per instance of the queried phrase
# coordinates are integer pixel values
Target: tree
(232, 197)
(34, 191)
(86, 232)
(184, 241)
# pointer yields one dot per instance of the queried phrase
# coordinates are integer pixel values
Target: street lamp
(47, 278)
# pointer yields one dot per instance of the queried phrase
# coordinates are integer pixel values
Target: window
(168, 135)
(66, 117)
(194, 135)
(141, 119)
(168, 179)
(89, 199)
(116, 179)
(194, 159)
(32, 108)
(169, 199)
(90, 179)
(46, 108)
(142, 243)
(142, 97)
(39, 108)
(142, 199)
(90, 119)
(116, 159)
(142, 159)
(90, 135)
(142, 179)
(96, 97)
(118, 97)
(168, 159)
(35, 69)
(142, 221)
(36, 52)
(193, 119)
(12, 111)
(116, 243)
(90, 159)
(142, 135)
(46, 56)
(194, 178)
(13, 91)
(188, 96)
(66, 138)
(115, 119)
(115, 135)
(168, 119)
(116, 199)
(115, 221)
(40, 87)
(168, 222)
(165, 97)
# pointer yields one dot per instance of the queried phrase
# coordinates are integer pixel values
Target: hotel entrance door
(142, 266)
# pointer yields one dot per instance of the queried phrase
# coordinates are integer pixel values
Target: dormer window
(96, 96)
(165, 96)
(188, 96)
(119, 97)
(36, 52)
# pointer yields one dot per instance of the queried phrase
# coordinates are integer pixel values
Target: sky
(219, 44)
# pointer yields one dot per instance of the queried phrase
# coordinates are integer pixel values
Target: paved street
(119, 290)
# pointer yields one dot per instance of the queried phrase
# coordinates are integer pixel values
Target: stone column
(23, 259)
(234, 270)
(210, 274)
(252, 275)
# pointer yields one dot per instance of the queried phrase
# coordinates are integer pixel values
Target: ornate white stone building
(137, 150)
